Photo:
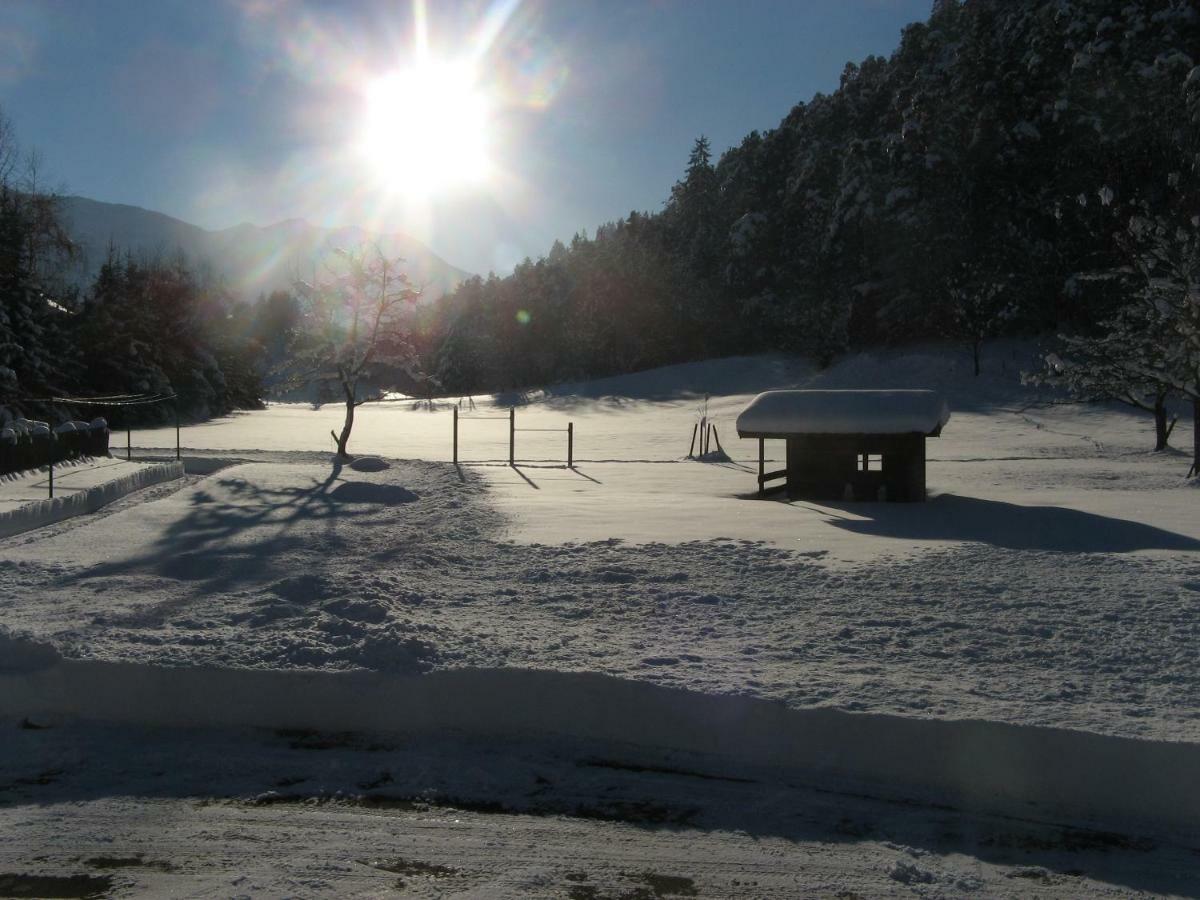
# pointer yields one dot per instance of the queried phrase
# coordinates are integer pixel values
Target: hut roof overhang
(782, 414)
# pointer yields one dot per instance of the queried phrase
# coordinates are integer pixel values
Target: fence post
(455, 411)
(128, 444)
(175, 406)
(512, 436)
(570, 445)
(692, 445)
(50, 445)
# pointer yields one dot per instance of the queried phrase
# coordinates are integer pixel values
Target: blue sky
(224, 111)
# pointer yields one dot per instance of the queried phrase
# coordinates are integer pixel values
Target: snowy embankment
(81, 486)
(1034, 773)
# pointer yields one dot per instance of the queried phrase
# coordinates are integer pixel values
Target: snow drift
(45, 512)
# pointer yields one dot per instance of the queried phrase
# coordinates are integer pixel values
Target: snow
(1088, 779)
(1048, 592)
(776, 413)
(80, 486)
(180, 812)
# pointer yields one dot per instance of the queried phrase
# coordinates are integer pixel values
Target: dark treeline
(962, 189)
(153, 327)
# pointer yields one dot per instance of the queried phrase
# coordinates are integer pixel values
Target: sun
(425, 129)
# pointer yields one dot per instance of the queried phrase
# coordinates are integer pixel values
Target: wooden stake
(456, 434)
(512, 436)
(692, 445)
(570, 445)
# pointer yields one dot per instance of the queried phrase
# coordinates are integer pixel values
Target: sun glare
(425, 129)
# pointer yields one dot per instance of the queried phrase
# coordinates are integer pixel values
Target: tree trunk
(1161, 431)
(344, 438)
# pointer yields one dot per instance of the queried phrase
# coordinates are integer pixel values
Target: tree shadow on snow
(246, 536)
(1008, 525)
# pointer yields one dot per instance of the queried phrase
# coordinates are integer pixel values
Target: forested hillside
(981, 181)
(138, 327)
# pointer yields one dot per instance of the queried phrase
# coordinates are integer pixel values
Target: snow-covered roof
(843, 412)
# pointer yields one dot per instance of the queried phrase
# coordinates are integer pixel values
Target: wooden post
(512, 436)
(175, 406)
(51, 439)
(692, 445)
(128, 444)
(570, 445)
(703, 432)
(717, 439)
(762, 469)
(456, 434)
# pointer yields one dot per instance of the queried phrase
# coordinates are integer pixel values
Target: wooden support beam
(761, 465)
(771, 476)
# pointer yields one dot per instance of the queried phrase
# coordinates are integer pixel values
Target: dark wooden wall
(821, 466)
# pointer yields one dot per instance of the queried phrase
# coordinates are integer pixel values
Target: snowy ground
(21, 488)
(1053, 579)
(87, 810)
(80, 486)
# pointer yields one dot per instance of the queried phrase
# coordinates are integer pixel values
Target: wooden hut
(842, 445)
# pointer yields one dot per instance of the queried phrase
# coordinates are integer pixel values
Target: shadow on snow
(1009, 525)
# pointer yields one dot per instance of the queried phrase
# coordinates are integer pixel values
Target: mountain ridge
(250, 259)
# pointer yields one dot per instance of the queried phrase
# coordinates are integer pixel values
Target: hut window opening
(870, 462)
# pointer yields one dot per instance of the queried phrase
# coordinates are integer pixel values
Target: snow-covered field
(1052, 579)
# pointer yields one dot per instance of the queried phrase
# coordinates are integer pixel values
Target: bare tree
(354, 327)
(1125, 364)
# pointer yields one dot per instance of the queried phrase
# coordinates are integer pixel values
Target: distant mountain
(251, 260)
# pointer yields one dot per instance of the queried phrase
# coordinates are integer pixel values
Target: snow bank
(843, 412)
(1031, 772)
(22, 653)
(369, 464)
(44, 512)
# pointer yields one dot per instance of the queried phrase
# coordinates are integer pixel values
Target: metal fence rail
(512, 434)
